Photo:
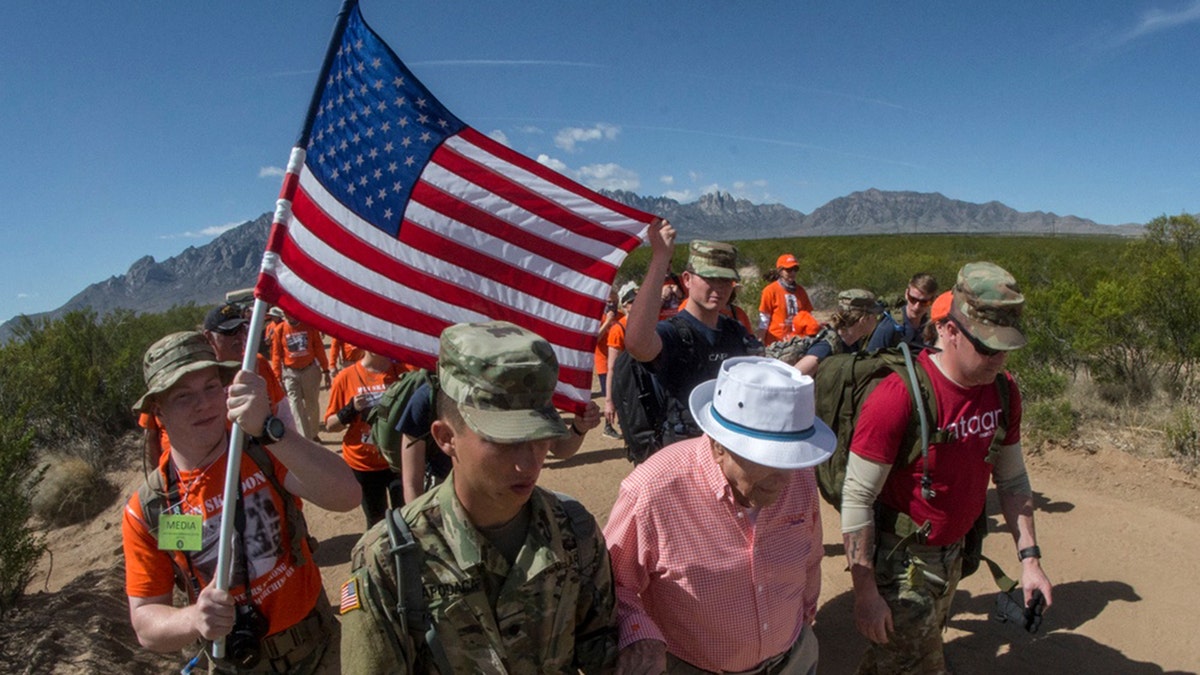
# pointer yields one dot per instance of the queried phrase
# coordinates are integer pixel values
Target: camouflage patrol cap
(860, 299)
(713, 260)
(174, 356)
(502, 377)
(988, 304)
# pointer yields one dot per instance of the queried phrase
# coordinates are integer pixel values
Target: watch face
(274, 428)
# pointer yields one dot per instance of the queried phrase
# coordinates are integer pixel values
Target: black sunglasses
(980, 348)
(922, 302)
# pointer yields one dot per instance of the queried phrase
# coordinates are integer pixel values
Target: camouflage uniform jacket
(548, 618)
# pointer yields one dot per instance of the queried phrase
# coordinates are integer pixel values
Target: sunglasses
(980, 348)
(921, 302)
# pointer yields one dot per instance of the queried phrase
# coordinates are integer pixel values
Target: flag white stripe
(577, 204)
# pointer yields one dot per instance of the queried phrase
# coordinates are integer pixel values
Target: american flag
(403, 220)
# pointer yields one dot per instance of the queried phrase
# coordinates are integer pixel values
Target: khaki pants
(303, 389)
(918, 583)
(801, 659)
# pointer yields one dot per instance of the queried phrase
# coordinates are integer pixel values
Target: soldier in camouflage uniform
(904, 543)
(515, 579)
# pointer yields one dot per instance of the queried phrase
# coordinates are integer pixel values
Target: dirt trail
(1121, 538)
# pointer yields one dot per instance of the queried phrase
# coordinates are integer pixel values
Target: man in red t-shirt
(274, 573)
(903, 584)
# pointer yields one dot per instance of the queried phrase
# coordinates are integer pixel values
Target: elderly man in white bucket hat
(716, 541)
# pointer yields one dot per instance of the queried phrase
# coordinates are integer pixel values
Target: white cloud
(206, 233)
(609, 177)
(530, 129)
(568, 137)
(667, 180)
(271, 172)
(547, 160)
(26, 296)
(681, 196)
(499, 136)
(596, 176)
(1155, 20)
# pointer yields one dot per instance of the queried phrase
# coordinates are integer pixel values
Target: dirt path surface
(1120, 535)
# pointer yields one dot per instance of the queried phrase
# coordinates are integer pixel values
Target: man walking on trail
(716, 541)
(914, 313)
(298, 357)
(683, 361)
(355, 390)
(513, 578)
(275, 606)
(904, 542)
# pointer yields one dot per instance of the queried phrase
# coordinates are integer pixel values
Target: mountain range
(203, 274)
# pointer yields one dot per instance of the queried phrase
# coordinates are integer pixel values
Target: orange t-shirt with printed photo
(351, 381)
(284, 591)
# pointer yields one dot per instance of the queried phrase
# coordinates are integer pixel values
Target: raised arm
(641, 340)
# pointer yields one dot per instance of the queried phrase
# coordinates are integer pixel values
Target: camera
(243, 645)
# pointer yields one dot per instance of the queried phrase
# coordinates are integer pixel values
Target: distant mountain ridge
(203, 274)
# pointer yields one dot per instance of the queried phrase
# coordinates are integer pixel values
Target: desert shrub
(72, 490)
(1183, 437)
(1049, 420)
(21, 546)
(1039, 382)
(76, 376)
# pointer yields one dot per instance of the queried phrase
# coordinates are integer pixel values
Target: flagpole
(237, 438)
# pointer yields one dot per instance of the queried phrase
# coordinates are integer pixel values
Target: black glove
(1028, 617)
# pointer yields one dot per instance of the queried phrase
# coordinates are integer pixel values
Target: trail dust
(1120, 537)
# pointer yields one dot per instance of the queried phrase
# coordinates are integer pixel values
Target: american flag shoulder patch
(350, 599)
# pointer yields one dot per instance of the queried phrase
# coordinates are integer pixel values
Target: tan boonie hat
(174, 356)
(988, 304)
(860, 299)
(502, 377)
(713, 260)
(628, 292)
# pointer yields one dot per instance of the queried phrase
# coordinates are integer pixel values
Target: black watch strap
(1031, 552)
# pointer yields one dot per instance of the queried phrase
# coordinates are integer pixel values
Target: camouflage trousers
(918, 583)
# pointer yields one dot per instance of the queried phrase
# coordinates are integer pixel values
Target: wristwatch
(272, 432)
(1031, 552)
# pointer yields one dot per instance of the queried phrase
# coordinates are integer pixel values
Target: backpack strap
(154, 498)
(411, 609)
(584, 527)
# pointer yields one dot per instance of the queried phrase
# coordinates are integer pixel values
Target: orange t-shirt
(782, 306)
(348, 353)
(601, 356)
(351, 381)
(296, 346)
(284, 591)
(616, 334)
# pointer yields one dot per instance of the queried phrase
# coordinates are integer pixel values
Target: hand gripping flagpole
(283, 208)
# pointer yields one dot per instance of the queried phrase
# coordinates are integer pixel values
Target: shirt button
(764, 626)
(740, 514)
(760, 588)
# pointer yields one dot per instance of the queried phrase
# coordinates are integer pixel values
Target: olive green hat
(502, 377)
(174, 356)
(713, 260)
(987, 304)
(860, 299)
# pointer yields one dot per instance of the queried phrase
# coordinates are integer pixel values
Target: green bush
(1183, 437)
(22, 547)
(1049, 420)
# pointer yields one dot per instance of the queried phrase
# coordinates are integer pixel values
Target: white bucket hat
(763, 410)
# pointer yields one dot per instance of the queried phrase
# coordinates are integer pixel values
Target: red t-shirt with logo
(284, 591)
(958, 467)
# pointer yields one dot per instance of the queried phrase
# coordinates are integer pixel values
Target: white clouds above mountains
(569, 137)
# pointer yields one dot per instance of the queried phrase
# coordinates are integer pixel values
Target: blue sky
(133, 128)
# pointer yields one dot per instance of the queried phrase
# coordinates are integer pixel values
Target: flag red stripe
(371, 303)
(454, 207)
(527, 199)
(549, 175)
(335, 236)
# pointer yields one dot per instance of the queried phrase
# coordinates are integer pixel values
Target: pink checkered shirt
(694, 570)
